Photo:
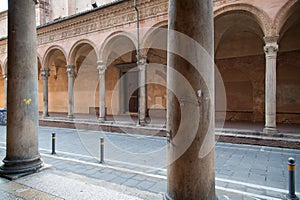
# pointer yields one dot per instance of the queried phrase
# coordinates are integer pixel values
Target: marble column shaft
(102, 104)
(22, 154)
(142, 65)
(71, 76)
(190, 105)
(45, 75)
(270, 49)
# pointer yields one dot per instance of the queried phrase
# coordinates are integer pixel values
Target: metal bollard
(53, 143)
(101, 150)
(291, 181)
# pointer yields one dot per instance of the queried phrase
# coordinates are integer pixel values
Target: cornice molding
(101, 20)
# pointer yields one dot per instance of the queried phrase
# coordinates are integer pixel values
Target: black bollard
(102, 150)
(53, 143)
(291, 182)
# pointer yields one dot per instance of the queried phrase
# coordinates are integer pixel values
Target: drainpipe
(138, 55)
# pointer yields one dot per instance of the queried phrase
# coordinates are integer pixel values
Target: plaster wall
(288, 87)
(58, 90)
(85, 87)
(244, 84)
(112, 76)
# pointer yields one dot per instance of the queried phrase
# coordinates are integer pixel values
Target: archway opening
(288, 69)
(84, 58)
(155, 47)
(240, 59)
(121, 77)
(57, 82)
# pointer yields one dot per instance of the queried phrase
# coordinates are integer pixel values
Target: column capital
(4, 76)
(101, 66)
(142, 59)
(271, 47)
(71, 70)
(271, 50)
(45, 73)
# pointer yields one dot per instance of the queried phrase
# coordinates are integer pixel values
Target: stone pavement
(135, 168)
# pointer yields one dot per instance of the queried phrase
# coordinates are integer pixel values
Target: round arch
(71, 57)
(106, 47)
(47, 55)
(241, 21)
(153, 29)
(159, 32)
(283, 15)
(257, 14)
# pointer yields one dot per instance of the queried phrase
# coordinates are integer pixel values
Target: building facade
(87, 59)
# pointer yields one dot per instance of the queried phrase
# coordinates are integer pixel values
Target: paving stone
(160, 186)
(118, 180)
(145, 185)
(131, 182)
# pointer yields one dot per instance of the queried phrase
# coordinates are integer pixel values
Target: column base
(166, 196)
(142, 122)
(291, 197)
(45, 115)
(101, 119)
(18, 168)
(71, 116)
(270, 130)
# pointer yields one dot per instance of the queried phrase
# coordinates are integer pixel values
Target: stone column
(71, 75)
(142, 64)
(270, 49)
(22, 154)
(45, 74)
(190, 105)
(5, 90)
(101, 67)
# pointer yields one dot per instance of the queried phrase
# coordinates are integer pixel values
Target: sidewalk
(51, 184)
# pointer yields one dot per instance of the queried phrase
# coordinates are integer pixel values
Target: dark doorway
(130, 91)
